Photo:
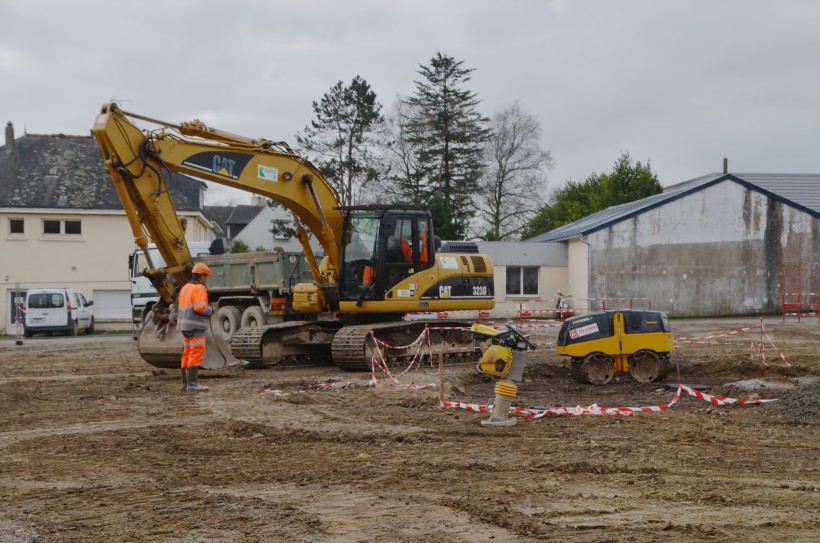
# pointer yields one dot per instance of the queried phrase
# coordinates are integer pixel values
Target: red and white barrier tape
(779, 352)
(757, 348)
(714, 336)
(535, 324)
(276, 393)
(594, 409)
(377, 360)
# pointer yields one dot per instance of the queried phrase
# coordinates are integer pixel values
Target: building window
(522, 281)
(17, 227)
(72, 227)
(62, 227)
(51, 227)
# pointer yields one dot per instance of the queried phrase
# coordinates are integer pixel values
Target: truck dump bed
(275, 271)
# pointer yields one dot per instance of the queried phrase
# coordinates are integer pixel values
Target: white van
(58, 310)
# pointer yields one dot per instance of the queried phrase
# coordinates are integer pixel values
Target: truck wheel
(230, 320)
(73, 328)
(90, 329)
(253, 317)
(646, 366)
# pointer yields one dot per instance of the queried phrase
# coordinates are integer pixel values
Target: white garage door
(112, 305)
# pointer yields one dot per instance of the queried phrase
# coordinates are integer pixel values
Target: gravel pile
(800, 405)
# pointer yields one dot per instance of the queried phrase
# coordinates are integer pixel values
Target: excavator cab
(382, 247)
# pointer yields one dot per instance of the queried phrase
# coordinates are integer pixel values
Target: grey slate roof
(236, 217)
(801, 191)
(67, 172)
(218, 214)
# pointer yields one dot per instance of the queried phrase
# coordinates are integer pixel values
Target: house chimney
(9, 137)
(725, 166)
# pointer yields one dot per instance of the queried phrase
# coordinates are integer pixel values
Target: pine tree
(339, 140)
(447, 134)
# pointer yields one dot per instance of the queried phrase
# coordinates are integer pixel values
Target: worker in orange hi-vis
(423, 254)
(407, 250)
(193, 319)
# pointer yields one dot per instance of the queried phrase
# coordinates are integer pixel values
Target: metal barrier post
(17, 339)
(798, 307)
(783, 307)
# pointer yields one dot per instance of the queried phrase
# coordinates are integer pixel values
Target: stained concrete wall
(724, 250)
(578, 277)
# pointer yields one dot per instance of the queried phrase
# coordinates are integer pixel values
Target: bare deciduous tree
(403, 180)
(514, 183)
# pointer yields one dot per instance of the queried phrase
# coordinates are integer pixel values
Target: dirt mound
(800, 405)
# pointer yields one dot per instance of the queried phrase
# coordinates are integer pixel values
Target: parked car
(58, 310)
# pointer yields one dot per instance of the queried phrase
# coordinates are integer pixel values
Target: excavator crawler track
(284, 344)
(354, 348)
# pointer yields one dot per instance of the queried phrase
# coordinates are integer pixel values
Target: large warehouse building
(719, 245)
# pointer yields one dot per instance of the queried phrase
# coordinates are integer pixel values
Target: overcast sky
(682, 84)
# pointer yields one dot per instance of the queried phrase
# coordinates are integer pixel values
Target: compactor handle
(510, 337)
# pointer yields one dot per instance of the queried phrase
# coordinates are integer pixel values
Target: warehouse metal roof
(801, 191)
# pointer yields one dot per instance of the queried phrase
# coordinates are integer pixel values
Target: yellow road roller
(603, 343)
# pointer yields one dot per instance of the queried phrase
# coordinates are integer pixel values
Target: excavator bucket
(160, 345)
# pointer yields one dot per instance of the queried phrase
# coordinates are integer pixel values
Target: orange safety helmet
(201, 269)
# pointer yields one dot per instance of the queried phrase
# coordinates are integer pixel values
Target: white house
(528, 276)
(62, 224)
(252, 225)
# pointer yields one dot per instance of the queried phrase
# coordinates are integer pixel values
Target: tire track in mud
(331, 415)
(308, 417)
(82, 428)
(61, 377)
(352, 515)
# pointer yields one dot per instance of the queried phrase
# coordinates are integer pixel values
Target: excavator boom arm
(139, 162)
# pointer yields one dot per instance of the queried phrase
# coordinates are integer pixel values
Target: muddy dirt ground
(98, 446)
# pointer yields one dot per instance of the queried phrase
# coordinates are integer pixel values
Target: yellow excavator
(380, 262)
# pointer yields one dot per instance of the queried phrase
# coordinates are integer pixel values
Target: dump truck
(251, 289)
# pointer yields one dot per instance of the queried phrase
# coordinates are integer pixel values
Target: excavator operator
(193, 320)
(407, 250)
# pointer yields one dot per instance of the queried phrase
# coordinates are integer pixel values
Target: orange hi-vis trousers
(193, 351)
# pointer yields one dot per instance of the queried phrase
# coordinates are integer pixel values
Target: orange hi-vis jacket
(194, 311)
(407, 250)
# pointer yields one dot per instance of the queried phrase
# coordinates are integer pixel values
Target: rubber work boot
(184, 379)
(193, 380)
